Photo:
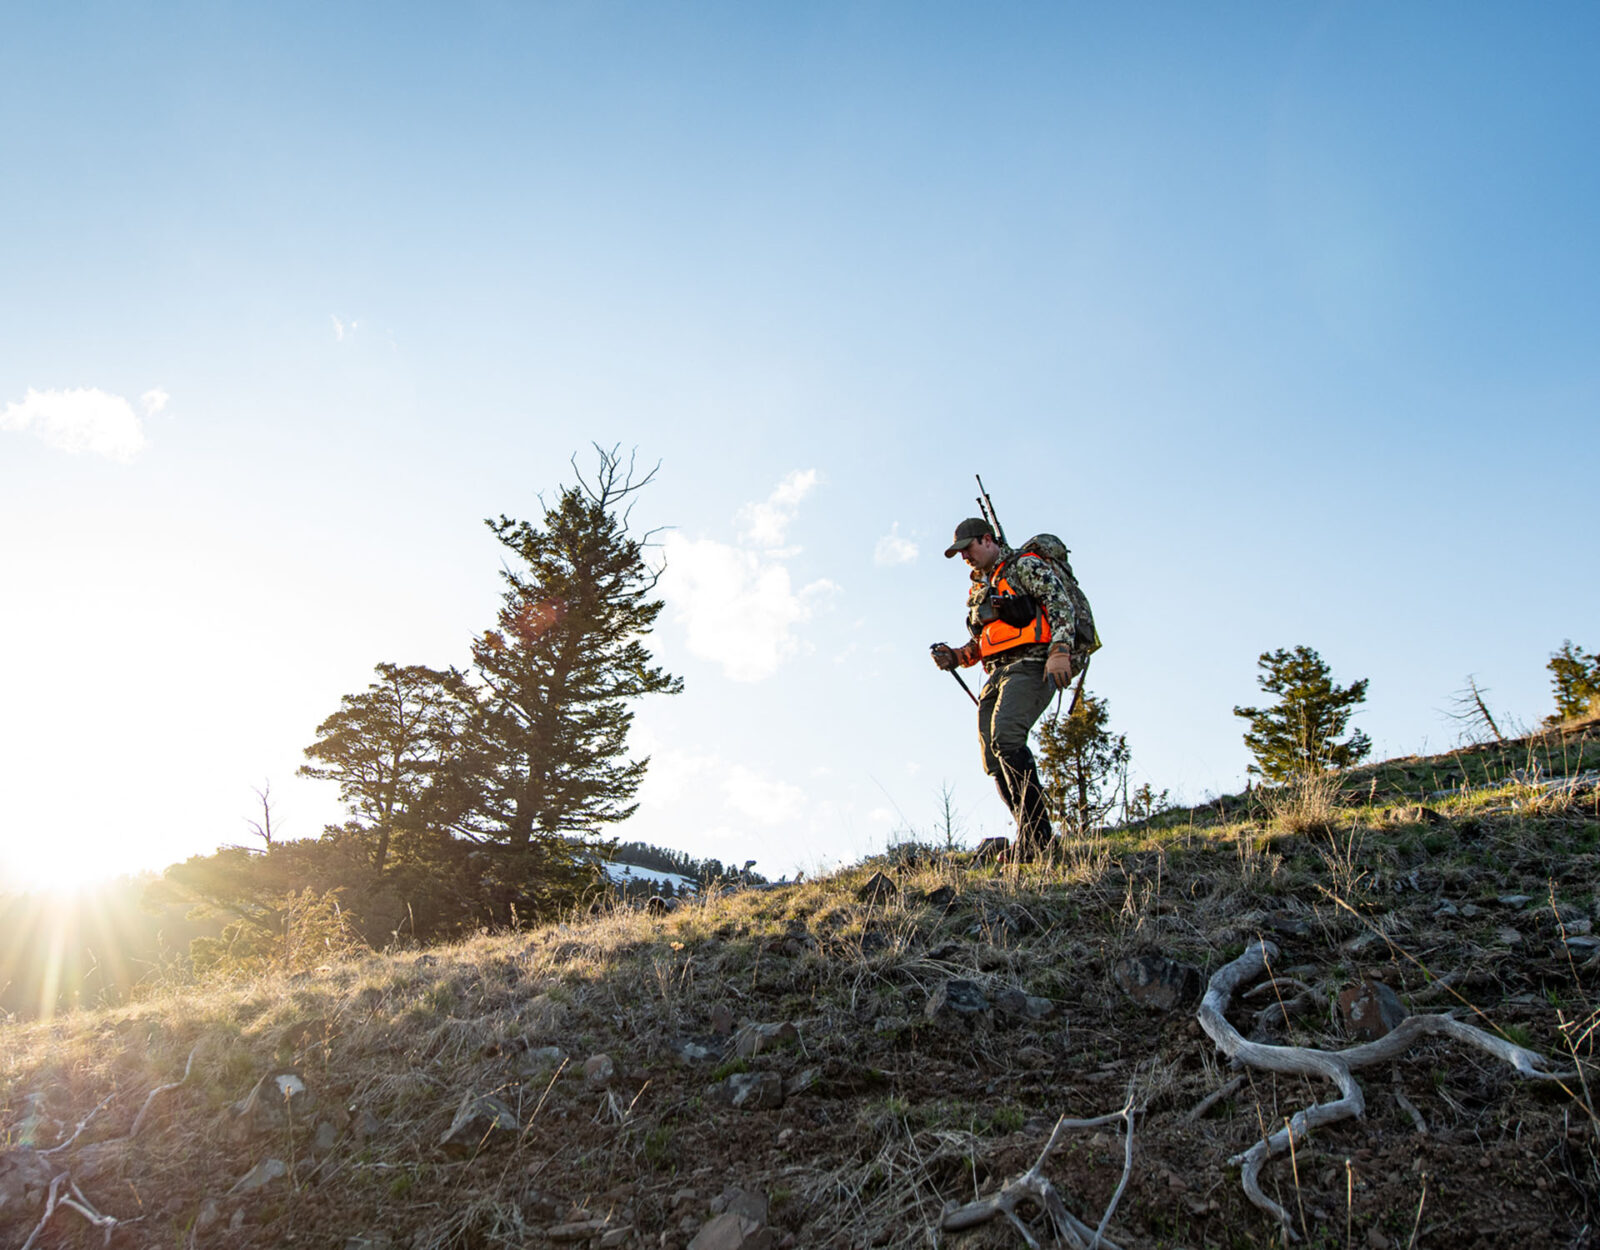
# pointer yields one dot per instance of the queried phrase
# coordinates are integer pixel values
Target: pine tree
(1576, 679)
(385, 747)
(1081, 763)
(1298, 736)
(544, 762)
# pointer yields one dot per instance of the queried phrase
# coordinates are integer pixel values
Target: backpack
(1054, 552)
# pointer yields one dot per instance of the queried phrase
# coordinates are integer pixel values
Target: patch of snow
(632, 874)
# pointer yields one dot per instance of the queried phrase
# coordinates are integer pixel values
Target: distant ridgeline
(658, 859)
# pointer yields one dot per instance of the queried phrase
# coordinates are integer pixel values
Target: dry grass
(1305, 804)
(907, 1114)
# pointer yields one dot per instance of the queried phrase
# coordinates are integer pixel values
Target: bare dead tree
(263, 828)
(1471, 712)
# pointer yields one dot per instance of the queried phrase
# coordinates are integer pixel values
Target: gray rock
(366, 1125)
(749, 1091)
(599, 1071)
(24, 1180)
(539, 1060)
(260, 1176)
(1362, 941)
(879, 888)
(1040, 1008)
(1158, 983)
(801, 1081)
(1508, 937)
(752, 1206)
(1370, 1010)
(1445, 910)
(1581, 945)
(732, 1231)
(721, 1020)
(327, 1137)
(99, 1159)
(207, 1216)
(1514, 901)
(754, 1038)
(690, 1051)
(576, 1230)
(956, 999)
(480, 1122)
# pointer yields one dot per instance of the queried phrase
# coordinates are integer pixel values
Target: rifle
(986, 506)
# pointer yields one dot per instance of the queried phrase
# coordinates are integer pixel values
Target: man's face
(981, 553)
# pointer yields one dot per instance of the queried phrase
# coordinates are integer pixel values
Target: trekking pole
(960, 681)
(1076, 695)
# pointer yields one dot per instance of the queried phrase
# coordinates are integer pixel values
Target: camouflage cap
(973, 527)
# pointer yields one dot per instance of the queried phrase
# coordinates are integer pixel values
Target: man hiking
(1030, 630)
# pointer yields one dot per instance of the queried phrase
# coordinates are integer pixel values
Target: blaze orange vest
(997, 636)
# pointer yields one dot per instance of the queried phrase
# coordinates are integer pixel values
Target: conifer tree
(1298, 735)
(385, 747)
(544, 761)
(1575, 677)
(1081, 762)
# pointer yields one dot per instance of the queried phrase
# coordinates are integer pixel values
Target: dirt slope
(1410, 877)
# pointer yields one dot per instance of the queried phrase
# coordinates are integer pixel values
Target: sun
(77, 945)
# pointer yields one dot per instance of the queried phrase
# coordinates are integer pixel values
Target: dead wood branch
(1410, 1109)
(1034, 1188)
(77, 1202)
(1336, 1066)
(1213, 1098)
(74, 1198)
(1280, 1013)
(1276, 985)
(138, 1120)
(82, 1124)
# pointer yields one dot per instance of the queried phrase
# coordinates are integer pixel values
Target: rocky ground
(842, 1062)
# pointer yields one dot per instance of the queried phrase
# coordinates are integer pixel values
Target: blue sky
(1284, 316)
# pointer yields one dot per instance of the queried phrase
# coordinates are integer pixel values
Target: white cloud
(83, 420)
(765, 524)
(738, 604)
(892, 549)
(739, 608)
(338, 329)
(153, 401)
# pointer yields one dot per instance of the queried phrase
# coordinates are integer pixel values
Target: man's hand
(945, 656)
(1058, 668)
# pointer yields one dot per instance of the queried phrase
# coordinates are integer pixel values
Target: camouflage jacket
(1035, 578)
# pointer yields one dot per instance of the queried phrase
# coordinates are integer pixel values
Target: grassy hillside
(1460, 882)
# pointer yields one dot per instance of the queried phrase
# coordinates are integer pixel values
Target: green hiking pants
(1014, 697)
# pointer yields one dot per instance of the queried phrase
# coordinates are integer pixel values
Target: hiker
(1030, 630)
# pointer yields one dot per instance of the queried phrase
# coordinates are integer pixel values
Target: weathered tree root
(74, 1199)
(1336, 1066)
(1032, 1187)
(107, 1224)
